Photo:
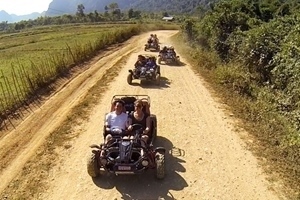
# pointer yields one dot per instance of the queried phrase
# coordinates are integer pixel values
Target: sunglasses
(138, 106)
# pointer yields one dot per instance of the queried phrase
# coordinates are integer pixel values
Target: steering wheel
(136, 127)
(116, 131)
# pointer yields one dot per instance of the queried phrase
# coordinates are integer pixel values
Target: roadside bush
(235, 77)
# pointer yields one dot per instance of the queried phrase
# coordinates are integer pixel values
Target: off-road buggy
(129, 156)
(168, 57)
(152, 46)
(145, 73)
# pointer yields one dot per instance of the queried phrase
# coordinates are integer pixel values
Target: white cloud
(22, 7)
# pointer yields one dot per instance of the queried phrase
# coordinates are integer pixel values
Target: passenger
(172, 50)
(163, 51)
(155, 38)
(139, 117)
(151, 39)
(151, 63)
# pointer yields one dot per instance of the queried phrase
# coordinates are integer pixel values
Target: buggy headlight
(145, 163)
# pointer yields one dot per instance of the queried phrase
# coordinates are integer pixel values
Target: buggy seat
(129, 104)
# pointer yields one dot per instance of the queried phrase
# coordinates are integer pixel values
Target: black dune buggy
(145, 73)
(129, 156)
(169, 58)
(152, 46)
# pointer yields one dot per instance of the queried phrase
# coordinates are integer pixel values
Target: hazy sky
(23, 7)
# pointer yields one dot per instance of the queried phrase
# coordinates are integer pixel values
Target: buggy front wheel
(93, 167)
(157, 79)
(160, 165)
(159, 60)
(129, 79)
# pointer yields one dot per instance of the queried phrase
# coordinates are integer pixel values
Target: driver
(164, 50)
(142, 118)
(141, 61)
(115, 121)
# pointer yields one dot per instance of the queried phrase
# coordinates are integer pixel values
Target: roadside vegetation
(250, 49)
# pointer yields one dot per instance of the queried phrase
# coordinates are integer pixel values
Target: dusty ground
(207, 159)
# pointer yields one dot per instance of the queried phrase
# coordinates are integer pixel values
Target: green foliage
(259, 47)
(188, 27)
(263, 36)
(235, 77)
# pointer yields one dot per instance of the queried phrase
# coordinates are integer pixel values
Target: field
(33, 58)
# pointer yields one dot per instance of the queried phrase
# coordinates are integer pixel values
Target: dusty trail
(206, 158)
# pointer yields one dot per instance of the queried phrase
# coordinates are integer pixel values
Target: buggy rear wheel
(157, 79)
(93, 167)
(159, 60)
(160, 165)
(129, 79)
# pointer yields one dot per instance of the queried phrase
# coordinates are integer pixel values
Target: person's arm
(148, 124)
(129, 123)
(107, 121)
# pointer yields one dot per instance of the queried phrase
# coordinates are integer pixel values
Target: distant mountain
(4, 16)
(60, 7)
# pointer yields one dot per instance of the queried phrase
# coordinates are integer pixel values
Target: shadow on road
(164, 83)
(179, 64)
(145, 185)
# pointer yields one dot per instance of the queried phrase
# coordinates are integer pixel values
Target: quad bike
(128, 155)
(144, 73)
(152, 46)
(168, 58)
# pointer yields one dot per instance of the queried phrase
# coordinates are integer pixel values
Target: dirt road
(207, 159)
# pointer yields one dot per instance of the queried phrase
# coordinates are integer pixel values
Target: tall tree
(80, 10)
(113, 6)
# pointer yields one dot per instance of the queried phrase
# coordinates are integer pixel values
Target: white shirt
(117, 121)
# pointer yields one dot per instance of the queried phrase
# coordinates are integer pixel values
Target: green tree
(130, 13)
(80, 10)
(113, 6)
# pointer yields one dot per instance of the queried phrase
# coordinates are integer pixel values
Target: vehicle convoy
(127, 155)
(145, 69)
(168, 56)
